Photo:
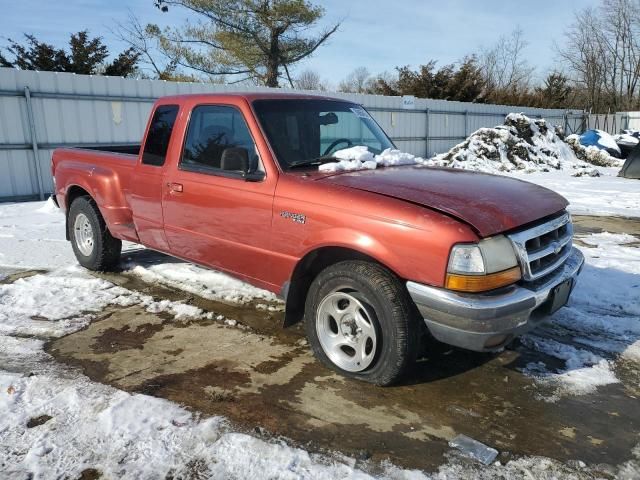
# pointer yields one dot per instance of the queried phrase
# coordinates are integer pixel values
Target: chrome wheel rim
(346, 331)
(83, 234)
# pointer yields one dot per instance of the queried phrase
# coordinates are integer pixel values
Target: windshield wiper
(313, 161)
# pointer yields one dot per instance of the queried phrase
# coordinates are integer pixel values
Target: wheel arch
(308, 267)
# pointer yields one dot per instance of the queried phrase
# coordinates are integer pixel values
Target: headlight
(466, 259)
(486, 265)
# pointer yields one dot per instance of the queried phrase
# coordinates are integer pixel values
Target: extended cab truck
(373, 260)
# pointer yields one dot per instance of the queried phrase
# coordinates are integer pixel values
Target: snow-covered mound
(592, 154)
(627, 139)
(520, 145)
(601, 139)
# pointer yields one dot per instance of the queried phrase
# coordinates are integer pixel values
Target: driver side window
(215, 137)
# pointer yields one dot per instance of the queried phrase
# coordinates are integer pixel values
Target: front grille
(543, 248)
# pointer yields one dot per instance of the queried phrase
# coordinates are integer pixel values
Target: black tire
(105, 254)
(395, 317)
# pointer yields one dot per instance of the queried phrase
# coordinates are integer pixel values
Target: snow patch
(600, 324)
(66, 300)
(132, 437)
(203, 282)
(49, 207)
(584, 370)
(607, 194)
(626, 139)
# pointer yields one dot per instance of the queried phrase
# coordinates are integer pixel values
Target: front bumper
(488, 321)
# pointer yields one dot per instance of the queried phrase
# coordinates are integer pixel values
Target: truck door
(213, 213)
(147, 185)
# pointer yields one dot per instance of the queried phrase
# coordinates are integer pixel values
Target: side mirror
(237, 159)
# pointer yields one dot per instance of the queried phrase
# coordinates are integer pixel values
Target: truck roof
(249, 96)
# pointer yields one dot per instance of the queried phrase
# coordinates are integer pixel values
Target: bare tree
(137, 37)
(621, 28)
(357, 81)
(582, 54)
(309, 80)
(503, 65)
(601, 53)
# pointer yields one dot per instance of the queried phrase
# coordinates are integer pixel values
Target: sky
(378, 34)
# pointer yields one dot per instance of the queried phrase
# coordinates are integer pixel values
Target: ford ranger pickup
(375, 262)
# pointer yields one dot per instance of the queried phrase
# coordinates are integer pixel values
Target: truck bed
(130, 149)
(103, 174)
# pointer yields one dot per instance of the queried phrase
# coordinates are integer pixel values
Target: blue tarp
(602, 140)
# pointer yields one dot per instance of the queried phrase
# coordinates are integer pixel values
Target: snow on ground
(601, 324)
(65, 300)
(208, 284)
(603, 195)
(124, 435)
(28, 232)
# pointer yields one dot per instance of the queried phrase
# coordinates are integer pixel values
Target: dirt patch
(125, 338)
(37, 421)
(14, 276)
(585, 224)
(272, 366)
(90, 474)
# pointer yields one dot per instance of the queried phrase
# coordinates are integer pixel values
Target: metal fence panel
(69, 109)
(609, 122)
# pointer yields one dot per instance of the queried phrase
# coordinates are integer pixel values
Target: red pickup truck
(375, 261)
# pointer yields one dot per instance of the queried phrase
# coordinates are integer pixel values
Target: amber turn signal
(482, 283)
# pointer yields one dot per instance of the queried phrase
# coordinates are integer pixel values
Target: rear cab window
(160, 130)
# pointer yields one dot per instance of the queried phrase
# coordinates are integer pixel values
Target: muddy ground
(264, 378)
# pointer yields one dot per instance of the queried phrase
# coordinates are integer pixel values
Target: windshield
(301, 130)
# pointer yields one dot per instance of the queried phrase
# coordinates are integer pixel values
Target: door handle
(175, 187)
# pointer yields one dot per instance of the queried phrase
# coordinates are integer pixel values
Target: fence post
(466, 123)
(427, 135)
(34, 141)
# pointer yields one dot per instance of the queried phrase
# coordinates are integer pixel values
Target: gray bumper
(488, 321)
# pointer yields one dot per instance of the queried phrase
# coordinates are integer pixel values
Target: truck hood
(491, 204)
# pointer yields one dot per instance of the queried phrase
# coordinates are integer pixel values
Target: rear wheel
(360, 321)
(94, 246)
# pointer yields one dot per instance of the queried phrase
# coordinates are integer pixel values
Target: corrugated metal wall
(612, 122)
(40, 111)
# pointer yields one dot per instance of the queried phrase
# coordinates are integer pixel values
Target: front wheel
(360, 321)
(94, 246)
